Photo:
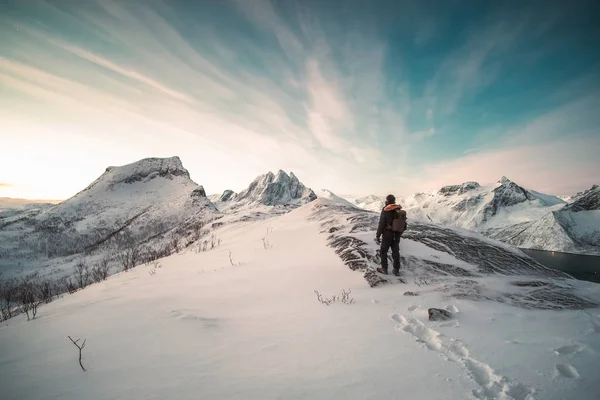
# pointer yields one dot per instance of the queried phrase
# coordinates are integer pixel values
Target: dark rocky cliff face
(458, 189)
(588, 200)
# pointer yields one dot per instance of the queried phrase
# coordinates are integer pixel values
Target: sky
(357, 97)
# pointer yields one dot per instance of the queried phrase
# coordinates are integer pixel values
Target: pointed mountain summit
(505, 195)
(276, 189)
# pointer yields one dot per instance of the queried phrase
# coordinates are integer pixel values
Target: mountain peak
(270, 189)
(504, 181)
(146, 169)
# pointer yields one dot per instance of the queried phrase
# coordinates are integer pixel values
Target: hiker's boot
(396, 272)
(382, 271)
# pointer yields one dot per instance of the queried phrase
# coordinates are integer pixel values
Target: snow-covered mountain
(476, 207)
(131, 204)
(276, 189)
(270, 190)
(574, 228)
(508, 212)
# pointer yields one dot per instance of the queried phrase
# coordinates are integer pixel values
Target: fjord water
(583, 267)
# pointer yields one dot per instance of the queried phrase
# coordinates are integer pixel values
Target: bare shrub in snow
(208, 244)
(101, 270)
(82, 274)
(129, 257)
(66, 283)
(47, 290)
(266, 243)
(174, 242)
(8, 298)
(29, 295)
(344, 297)
(265, 239)
(80, 347)
(155, 266)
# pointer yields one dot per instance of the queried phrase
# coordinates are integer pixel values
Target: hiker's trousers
(390, 240)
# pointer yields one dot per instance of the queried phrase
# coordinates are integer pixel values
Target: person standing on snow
(392, 223)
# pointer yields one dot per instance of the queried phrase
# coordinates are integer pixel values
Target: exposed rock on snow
(586, 201)
(458, 189)
(437, 314)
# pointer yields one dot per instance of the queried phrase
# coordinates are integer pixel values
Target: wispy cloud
(256, 85)
(502, 40)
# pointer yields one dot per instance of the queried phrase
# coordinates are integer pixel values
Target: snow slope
(204, 328)
(328, 194)
(370, 202)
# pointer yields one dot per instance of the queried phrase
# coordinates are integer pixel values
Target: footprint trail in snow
(491, 385)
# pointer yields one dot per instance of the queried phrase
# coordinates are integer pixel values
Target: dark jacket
(388, 213)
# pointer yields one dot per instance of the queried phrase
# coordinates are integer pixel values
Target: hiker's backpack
(399, 222)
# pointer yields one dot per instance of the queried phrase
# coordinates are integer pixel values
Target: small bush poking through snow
(80, 347)
(100, 270)
(208, 244)
(343, 298)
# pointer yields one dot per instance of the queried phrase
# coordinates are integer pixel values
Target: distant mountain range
(508, 212)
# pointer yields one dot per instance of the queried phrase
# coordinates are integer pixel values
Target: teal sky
(357, 97)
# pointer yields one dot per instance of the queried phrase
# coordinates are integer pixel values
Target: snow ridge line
(491, 385)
